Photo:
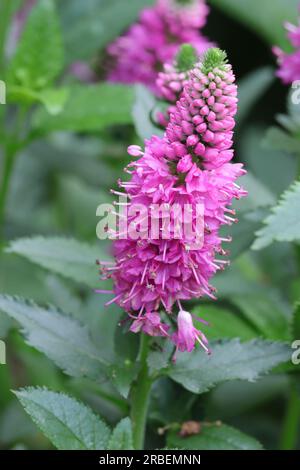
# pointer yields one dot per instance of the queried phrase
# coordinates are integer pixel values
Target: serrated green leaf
(39, 56)
(58, 336)
(229, 360)
(121, 438)
(265, 18)
(223, 323)
(283, 225)
(88, 108)
(67, 257)
(69, 424)
(214, 437)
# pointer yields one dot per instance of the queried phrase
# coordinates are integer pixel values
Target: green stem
(140, 394)
(291, 421)
(11, 149)
(9, 158)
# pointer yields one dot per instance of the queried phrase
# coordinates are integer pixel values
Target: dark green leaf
(264, 18)
(67, 257)
(121, 438)
(57, 335)
(223, 323)
(251, 89)
(230, 360)
(265, 314)
(69, 424)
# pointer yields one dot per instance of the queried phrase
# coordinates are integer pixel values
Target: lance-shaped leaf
(229, 360)
(67, 257)
(121, 438)
(58, 336)
(69, 424)
(88, 108)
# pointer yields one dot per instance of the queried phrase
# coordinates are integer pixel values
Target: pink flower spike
(154, 40)
(289, 63)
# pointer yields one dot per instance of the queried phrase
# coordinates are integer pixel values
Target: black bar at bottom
(135, 459)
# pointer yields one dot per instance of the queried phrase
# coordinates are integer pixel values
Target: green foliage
(251, 89)
(265, 313)
(278, 139)
(143, 113)
(265, 19)
(88, 108)
(214, 437)
(121, 438)
(68, 424)
(57, 335)
(223, 323)
(65, 256)
(295, 324)
(283, 225)
(39, 56)
(230, 360)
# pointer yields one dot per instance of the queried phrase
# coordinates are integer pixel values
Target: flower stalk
(140, 394)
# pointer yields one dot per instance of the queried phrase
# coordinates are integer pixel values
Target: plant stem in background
(140, 394)
(9, 158)
(10, 152)
(291, 421)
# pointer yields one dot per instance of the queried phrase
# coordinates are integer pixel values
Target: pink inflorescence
(140, 53)
(189, 165)
(289, 64)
